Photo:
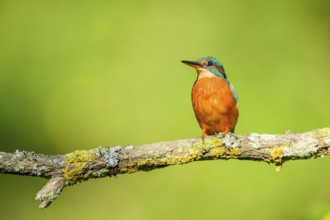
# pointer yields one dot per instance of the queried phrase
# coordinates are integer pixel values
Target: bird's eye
(204, 62)
(209, 63)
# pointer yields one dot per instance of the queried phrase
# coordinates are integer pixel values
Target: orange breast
(214, 106)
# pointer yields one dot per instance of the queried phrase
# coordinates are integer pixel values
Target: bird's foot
(203, 135)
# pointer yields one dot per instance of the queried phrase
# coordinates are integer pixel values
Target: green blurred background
(79, 74)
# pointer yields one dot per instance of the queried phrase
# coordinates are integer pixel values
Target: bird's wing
(233, 90)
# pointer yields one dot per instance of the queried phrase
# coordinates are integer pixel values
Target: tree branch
(81, 165)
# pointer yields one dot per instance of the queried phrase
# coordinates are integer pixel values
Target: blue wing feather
(233, 90)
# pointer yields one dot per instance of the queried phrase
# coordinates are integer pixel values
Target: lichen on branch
(81, 165)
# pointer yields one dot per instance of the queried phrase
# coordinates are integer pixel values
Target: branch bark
(81, 165)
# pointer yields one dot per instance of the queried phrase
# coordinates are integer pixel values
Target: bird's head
(207, 67)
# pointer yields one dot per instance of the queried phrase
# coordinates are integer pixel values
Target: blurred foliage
(78, 74)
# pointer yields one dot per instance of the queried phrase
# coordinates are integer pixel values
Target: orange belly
(214, 106)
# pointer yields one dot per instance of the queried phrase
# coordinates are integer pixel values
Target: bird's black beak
(192, 64)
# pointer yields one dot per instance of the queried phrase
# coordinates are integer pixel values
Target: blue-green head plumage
(214, 66)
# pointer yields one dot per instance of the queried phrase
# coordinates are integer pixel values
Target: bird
(214, 98)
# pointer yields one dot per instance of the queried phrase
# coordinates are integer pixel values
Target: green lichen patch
(208, 143)
(182, 156)
(225, 153)
(73, 173)
(80, 156)
(218, 152)
(129, 168)
(97, 173)
(76, 162)
(233, 153)
(209, 146)
(193, 154)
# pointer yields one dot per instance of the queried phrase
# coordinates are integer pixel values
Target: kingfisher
(214, 98)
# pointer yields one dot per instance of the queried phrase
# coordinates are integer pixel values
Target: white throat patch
(204, 73)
